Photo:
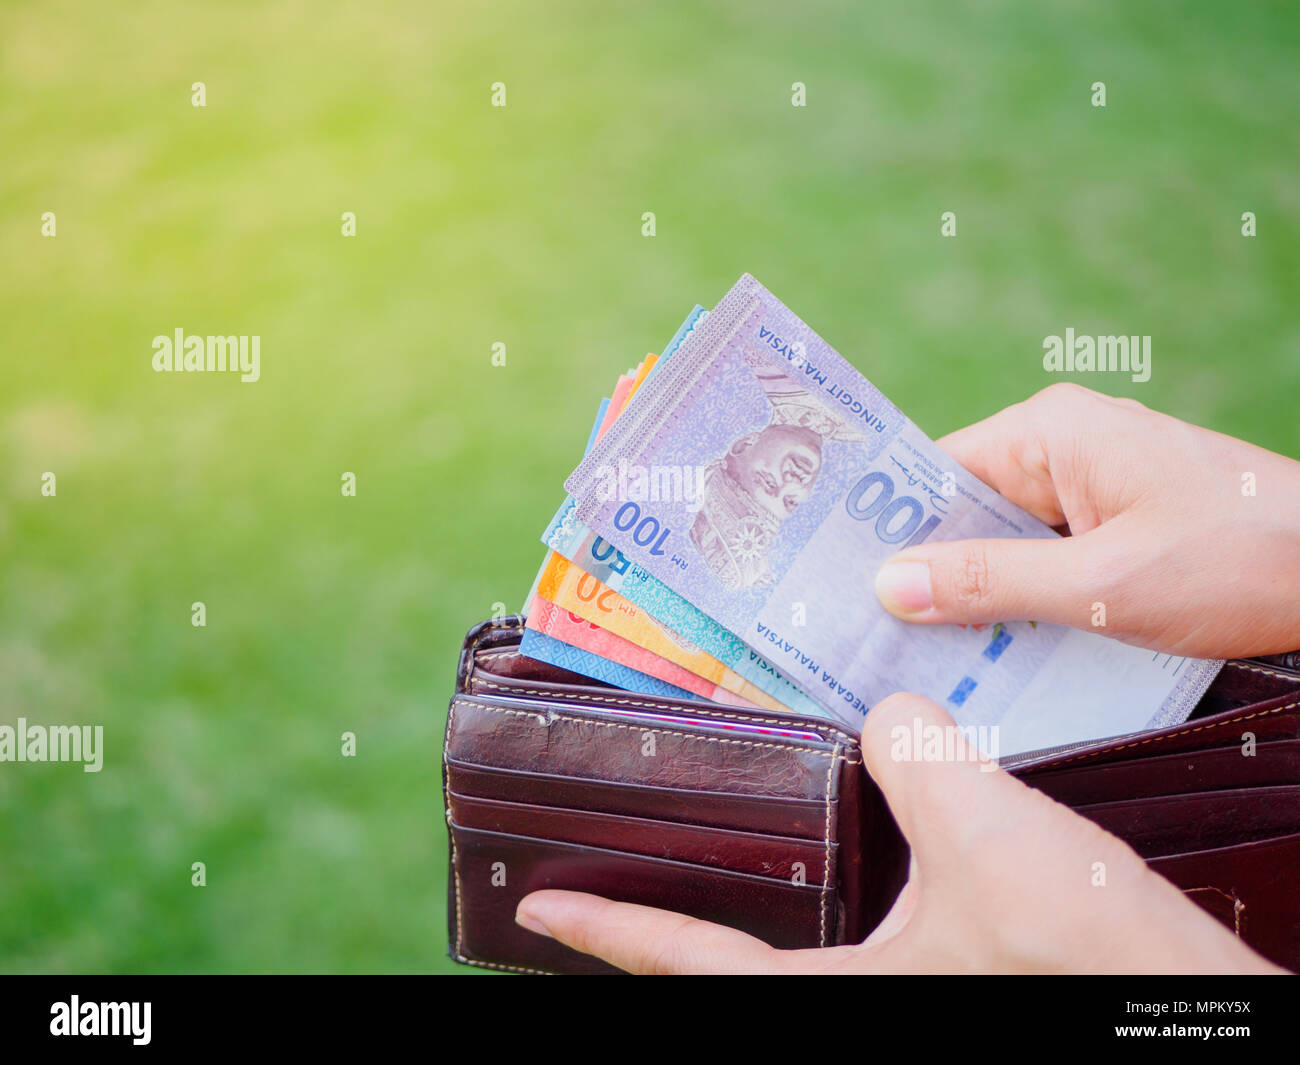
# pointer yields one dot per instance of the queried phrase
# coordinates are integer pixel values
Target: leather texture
(554, 780)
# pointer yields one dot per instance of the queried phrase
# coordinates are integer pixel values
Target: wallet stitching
(451, 835)
(1261, 669)
(834, 755)
(496, 627)
(1169, 736)
(826, 868)
(774, 721)
(503, 968)
(626, 702)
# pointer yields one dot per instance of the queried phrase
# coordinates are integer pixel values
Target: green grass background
(520, 225)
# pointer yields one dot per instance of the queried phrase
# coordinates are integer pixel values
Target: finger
(944, 794)
(640, 939)
(1007, 453)
(968, 582)
(1030, 452)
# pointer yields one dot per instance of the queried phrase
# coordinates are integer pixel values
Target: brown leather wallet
(552, 780)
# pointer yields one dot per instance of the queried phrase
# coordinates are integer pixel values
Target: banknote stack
(722, 534)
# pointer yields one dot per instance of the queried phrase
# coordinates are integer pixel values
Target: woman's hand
(1189, 539)
(1003, 879)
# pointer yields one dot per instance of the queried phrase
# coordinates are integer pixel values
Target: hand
(1003, 879)
(1187, 553)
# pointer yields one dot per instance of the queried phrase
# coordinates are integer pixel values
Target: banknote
(811, 479)
(576, 593)
(570, 538)
(539, 643)
(546, 648)
(572, 541)
(572, 639)
(583, 635)
(618, 399)
(568, 587)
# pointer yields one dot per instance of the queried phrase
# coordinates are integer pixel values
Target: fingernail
(904, 587)
(527, 920)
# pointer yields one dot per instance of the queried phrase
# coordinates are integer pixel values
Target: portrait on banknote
(761, 479)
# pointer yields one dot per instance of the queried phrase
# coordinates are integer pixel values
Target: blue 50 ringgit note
(804, 479)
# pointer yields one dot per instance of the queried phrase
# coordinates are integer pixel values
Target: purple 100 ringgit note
(769, 482)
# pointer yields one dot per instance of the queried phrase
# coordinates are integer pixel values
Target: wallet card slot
(1240, 683)
(1266, 722)
(1250, 888)
(1176, 824)
(778, 857)
(493, 871)
(577, 742)
(1275, 763)
(763, 814)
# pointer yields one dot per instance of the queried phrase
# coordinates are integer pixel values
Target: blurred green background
(520, 225)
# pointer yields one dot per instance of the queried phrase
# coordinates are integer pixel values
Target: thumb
(940, 788)
(973, 581)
